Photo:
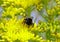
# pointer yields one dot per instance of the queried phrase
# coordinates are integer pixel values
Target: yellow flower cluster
(15, 28)
(12, 11)
(14, 31)
(23, 3)
(51, 11)
(39, 6)
(54, 11)
(58, 2)
(12, 7)
(57, 8)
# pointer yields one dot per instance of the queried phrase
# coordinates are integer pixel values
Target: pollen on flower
(17, 24)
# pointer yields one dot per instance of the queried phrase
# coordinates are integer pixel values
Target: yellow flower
(58, 40)
(58, 35)
(39, 6)
(51, 11)
(12, 11)
(15, 30)
(58, 2)
(25, 35)
(23, 3)
(59, 13)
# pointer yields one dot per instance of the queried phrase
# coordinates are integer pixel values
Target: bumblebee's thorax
(28, 21)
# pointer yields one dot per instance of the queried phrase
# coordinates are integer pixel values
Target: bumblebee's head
(28, 21)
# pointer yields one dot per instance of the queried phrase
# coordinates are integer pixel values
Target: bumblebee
(28, 21)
